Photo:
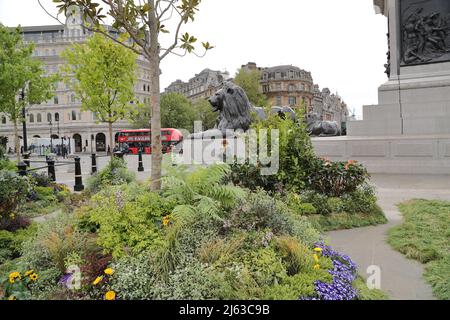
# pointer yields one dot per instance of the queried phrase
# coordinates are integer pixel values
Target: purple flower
(343, 272)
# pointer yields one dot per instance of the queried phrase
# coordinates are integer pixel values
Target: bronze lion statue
(317, 127)
(234, 107)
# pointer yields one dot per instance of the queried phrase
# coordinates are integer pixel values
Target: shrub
(297, 286)
(336, 178)
(249, 176)
(46, 194)
(130, 219)
(54, 241)
(194, 281)
(257, 212)
(5, 164)
(134, 277)
(362, 200)
(11, 242)
(114, 174)
(13, 192)
(295, 255)
(295, 203)
(41, 179)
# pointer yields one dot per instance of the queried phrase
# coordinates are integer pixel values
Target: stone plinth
(390, 154)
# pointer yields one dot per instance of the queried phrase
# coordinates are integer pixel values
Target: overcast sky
(343, 43)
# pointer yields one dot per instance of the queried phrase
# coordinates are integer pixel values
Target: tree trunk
(111, 142)
(155, 71)
(155, 126)
(16, 140)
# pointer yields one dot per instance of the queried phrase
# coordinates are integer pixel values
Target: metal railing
(24, 168)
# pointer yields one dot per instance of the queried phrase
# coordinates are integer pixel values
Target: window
(292, 101)
(57, 117)
(31, 118)
(49, 117)
(39, 117)
(72, 98)
(55, 100)
(74, 115)
(3, 120)
(278, 101)
(278, 86)
(291, 88)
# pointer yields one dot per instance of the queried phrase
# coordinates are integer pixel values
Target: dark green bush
(13, 192)
(335, 179)
(114, 174)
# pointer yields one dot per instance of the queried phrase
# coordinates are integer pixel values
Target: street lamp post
(24, 123)
(51, 135)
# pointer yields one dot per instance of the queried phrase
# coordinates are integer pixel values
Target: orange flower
(110, 295)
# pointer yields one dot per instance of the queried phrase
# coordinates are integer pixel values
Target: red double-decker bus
(141, 140)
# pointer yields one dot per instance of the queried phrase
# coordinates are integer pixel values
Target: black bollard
(94, 163)
(78, 177)
(141, 164)
(22, 168)
(26, 159)
(51, 169)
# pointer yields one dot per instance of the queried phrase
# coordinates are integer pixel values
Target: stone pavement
(401, 278)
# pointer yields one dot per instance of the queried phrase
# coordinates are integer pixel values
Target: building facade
(62, 116)
(202, 86)
(291, 86)
(329, 106)
(287, 86)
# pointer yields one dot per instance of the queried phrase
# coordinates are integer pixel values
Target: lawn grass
(342, 221)
(425, 236)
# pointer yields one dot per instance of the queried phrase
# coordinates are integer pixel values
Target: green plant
(299, 285)
(53, 242)
(13, 193)
(295, 203)
(361, 200)
(18, 285)
(114, 174)
(11, 242)
(295, 255)
(5, 164)
(129, 219)
(193, 281)
(336, 178)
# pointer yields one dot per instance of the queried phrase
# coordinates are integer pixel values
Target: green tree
(22, 79)
(144, 22)
(249, 80)
(105, 74)
(177, 112)
(205, 114)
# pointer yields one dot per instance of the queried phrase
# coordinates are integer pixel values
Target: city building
(202, 86)
(62, 116)
(291, 86)
(329, 106)
(287, 86)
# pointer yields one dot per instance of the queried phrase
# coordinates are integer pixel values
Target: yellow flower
(14, 275)
(317, 267)
(109, 271)
(28, 273)
(12, 298)
(97, 280)
(166, 221)
(319, 250)
(316, 258)
(110, 295)
(34, 277)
